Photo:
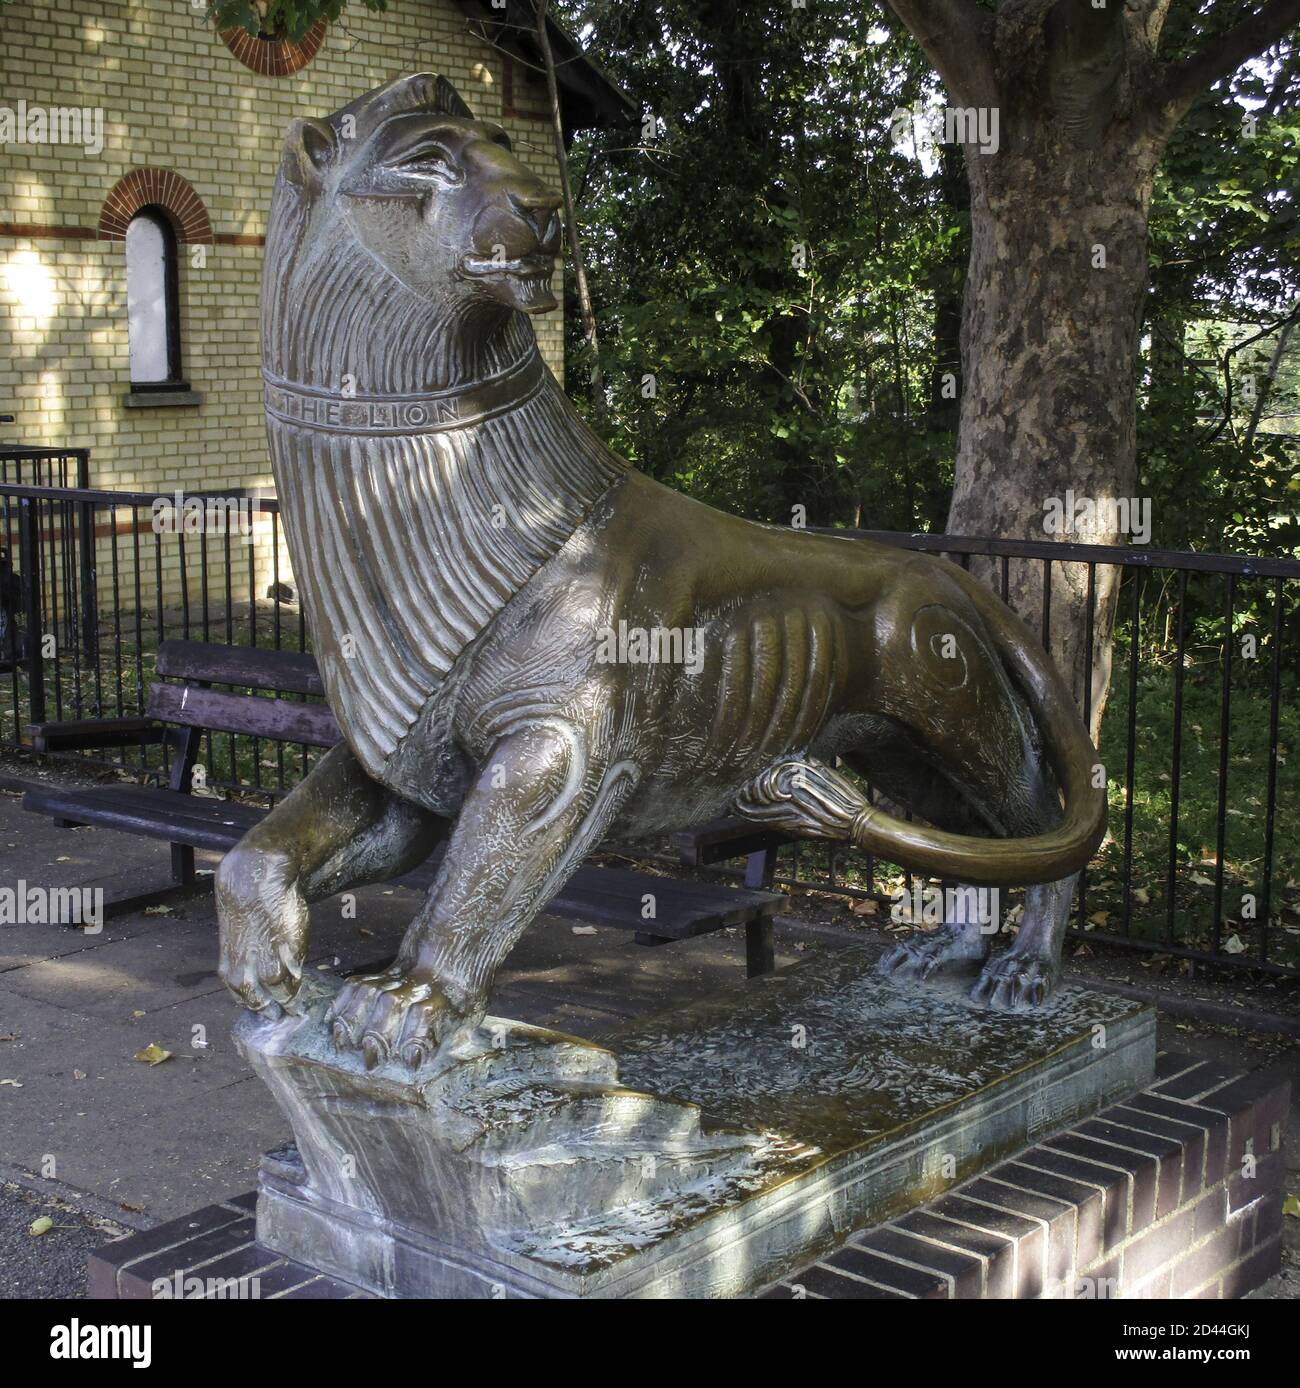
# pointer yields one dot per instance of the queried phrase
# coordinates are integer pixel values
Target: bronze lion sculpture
(480, 572)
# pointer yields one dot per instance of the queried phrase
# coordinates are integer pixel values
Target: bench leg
(760, 947)
(184, 884)
(182, 865)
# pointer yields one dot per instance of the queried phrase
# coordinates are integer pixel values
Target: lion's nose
(539, 210)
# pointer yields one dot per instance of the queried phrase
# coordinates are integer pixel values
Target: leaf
(1233, 945)
(1291, 1206)
(159, 910)
(1099, 918)
(584, 929)
(13, 1084)
(40, 1226)
(1202, 881)
(153, 1054)
(865, 907)
(1141, 896)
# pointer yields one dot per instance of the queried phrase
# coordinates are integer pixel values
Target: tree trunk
(1050, 324)
(586, 308)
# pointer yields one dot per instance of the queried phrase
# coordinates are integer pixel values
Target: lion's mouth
(525, 267)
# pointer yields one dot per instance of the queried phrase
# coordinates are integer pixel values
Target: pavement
(99, 1141)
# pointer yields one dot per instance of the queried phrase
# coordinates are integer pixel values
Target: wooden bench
(181, 714)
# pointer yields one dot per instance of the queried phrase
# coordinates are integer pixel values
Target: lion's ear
(447, 101)
(310, 149)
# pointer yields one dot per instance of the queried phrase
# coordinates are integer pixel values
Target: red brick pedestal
(1176, 1192)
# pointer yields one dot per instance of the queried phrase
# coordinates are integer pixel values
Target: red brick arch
(155, 188)
(274, 57)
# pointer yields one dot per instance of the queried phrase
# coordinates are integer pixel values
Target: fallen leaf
(1233, 945)
(865, 907)
(1202, 881)
(1099, 918)
(1141, 896)
(159, 910)
(63, 858)
(584, 929)
(1291, 1206)
(78, 1074)
(40, 1226)
(153, 1054)
(14, 1084)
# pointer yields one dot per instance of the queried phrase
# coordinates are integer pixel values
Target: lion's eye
(430, 161)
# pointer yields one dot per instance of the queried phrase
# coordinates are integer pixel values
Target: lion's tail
(813, 799)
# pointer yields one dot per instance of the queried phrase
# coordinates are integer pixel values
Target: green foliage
(288, 18)
(770, 261)
(1225, 278)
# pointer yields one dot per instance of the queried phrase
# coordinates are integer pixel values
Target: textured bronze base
(706, 1152)
(1147, 1199)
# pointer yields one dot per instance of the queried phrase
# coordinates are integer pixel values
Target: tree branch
(956, 37)
(1221, 56)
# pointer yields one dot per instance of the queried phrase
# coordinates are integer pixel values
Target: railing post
(29, 558)
(86, 543)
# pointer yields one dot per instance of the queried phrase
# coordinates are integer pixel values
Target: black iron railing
(1203, 858)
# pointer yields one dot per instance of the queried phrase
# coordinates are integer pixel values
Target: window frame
(174, 380)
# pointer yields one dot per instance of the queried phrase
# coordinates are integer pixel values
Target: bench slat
(284, 720)
(721, 839)
(74, 734)
(158, 814)
(284, 671)
(612, 897)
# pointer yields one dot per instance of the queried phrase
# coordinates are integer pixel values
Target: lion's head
(434, 195)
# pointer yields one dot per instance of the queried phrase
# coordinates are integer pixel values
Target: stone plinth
(1160, 1202)
(706, 1152)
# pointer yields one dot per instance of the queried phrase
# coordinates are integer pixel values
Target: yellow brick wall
(175, 97)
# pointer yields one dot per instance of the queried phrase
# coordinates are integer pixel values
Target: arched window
(153, 305)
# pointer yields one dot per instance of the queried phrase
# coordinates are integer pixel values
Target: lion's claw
(392, 1014)
(1014, 983)
(924, 956)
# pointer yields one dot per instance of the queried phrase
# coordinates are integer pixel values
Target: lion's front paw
(934, 953)
(1014, 982)
(399, 1012)
(264, 920)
